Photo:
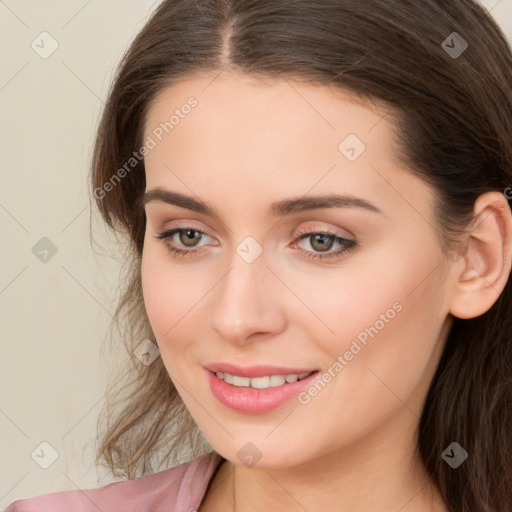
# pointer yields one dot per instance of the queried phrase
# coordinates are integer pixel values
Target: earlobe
(483, 271)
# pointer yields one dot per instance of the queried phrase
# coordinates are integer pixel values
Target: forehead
(265, 122)
(259, 136)
(249, 101)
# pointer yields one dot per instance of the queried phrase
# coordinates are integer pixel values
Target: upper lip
(256, 370)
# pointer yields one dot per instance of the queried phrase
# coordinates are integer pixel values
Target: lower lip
(256, 401)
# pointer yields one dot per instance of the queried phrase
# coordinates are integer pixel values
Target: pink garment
(178, 489)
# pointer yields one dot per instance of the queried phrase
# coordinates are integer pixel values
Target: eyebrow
(279, 208)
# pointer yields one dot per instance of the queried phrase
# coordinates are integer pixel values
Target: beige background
(54, 314)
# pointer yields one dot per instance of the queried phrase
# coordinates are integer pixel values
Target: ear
(483, 271)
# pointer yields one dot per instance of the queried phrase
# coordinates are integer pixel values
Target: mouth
(258, 394)
(264, 382)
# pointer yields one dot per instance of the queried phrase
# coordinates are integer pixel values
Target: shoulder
(177, 489)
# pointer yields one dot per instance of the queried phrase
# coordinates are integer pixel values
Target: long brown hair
(451, 96)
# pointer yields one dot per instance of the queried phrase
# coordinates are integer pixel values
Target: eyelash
(348, 245)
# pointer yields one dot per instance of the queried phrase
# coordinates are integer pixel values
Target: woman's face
(354, 289)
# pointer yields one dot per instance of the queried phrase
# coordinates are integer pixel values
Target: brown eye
(188, 237)
(187, 241)
(321, 242)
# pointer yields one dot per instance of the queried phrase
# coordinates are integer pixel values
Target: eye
(187, 235)
(323, 241)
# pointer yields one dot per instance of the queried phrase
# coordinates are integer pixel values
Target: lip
(257, 370)
(257, 401)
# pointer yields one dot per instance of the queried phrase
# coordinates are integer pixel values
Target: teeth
(241, 381)
(277, 380)
(260, 382)
(269, 381)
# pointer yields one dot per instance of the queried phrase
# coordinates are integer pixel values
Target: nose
(247, 303)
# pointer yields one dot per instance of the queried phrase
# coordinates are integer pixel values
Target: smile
(258, 394)
(268, 381)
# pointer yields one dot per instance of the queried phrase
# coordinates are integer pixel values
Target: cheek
(164, 296)
(172, 298)
(385, 349)
(387, 324)
(336, 305)
(155, 288)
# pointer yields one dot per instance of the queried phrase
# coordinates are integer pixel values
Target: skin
(247, 144)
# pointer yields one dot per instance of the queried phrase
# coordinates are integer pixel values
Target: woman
(316, 197)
